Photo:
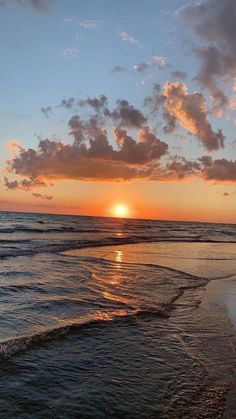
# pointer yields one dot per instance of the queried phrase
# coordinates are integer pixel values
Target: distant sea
(106, 318)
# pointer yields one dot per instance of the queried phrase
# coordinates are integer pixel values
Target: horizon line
(117, 218)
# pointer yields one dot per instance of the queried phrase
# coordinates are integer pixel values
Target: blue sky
(56, 57)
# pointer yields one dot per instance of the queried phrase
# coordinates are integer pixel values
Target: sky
(129, 103)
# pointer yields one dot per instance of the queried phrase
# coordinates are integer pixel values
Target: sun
(120, 211)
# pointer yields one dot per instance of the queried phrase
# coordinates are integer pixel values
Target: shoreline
(220, 294)
(218, 298)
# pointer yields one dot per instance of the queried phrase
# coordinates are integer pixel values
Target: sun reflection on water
(118, 256)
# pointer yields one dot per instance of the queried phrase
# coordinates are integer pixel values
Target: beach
(106, 317)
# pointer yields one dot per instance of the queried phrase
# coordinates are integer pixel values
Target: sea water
(105, 318)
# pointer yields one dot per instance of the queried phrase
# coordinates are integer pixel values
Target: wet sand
(220, 297)
(221, 293)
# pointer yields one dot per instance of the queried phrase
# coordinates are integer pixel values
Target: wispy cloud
(70, 52)
(42, 196)
(159, 61)
(91, 24)
(155, 62)
(126, 37)
(70, 19)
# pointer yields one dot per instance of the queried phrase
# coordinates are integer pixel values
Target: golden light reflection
(113, 297)
(118, 256)
(119, 234)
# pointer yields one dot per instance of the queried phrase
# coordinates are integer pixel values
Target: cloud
(126, 115)
(205, 168)
(38, 195)
(98, 104)
(38, 5)
(159, 61)
(141, 68)
(68, 103)
(190, 110)
(70, 52)
(25, 184)
(147, 149)
(219, 169)
(126, 37)
(70, 19)
(180, 168)
(156, 103)
(178, 74)
(13, 146)
(123, 114)
(118, 69)
(46, 111)
(41, 6)
(156, 61)
(90, 157)
(90, 24)
(214, 22)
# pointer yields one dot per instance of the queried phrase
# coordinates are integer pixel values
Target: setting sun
(120, 211)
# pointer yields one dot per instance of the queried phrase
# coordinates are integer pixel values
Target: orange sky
(193, 200)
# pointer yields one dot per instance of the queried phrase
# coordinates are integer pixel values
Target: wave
(24, 229)
(107, 241)
(13, 346)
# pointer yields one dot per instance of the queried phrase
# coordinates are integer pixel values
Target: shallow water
(115, 331)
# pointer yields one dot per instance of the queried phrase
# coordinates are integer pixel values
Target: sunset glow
(120, 211)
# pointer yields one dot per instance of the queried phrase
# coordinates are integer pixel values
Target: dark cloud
(219, 169)
(41, 6)
(191, 112)
(98, 104)
(123, 115)
(39, 195)
(145, 150)
(180, 168)
(126, 115)
(46, 111)
(170, 123)
(178, 74)
(118, 69)
(156, 101)
(68, 103)
(214, 22)
(141, 68)
(25, 184)
(91, 156)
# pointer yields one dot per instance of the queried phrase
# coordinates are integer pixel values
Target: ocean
(108, 318)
